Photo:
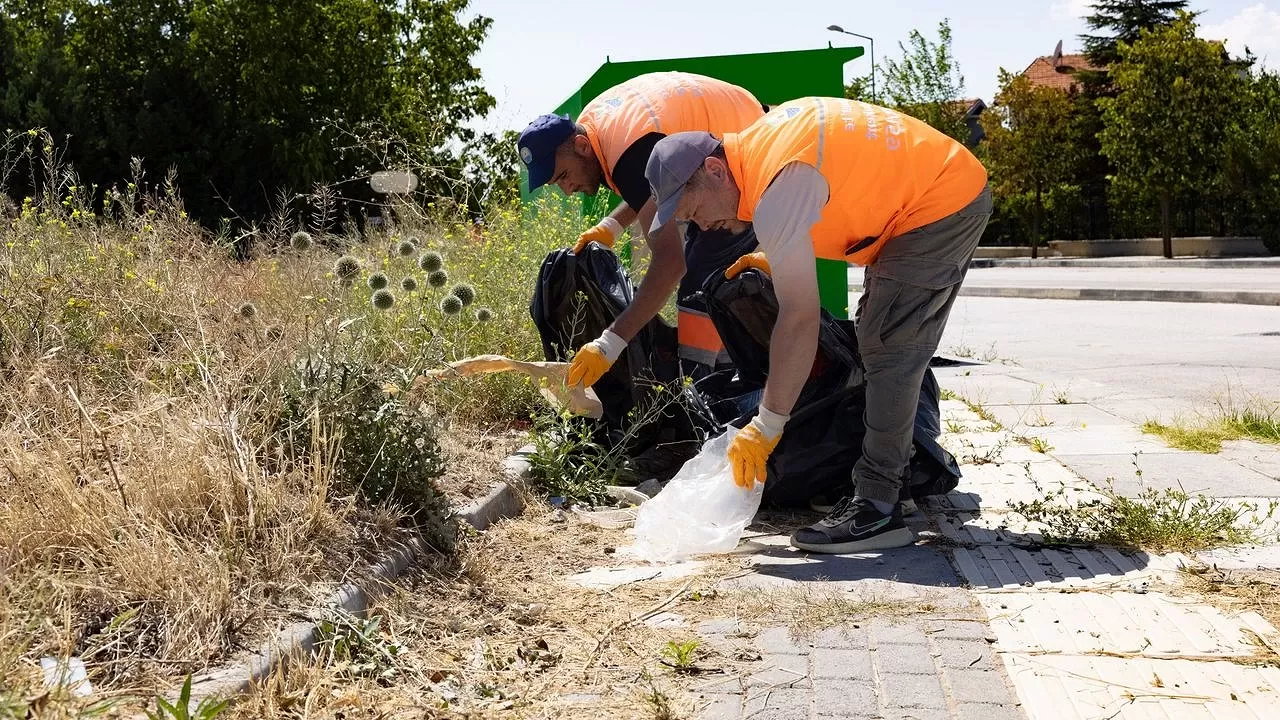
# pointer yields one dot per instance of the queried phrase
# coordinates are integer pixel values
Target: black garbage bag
(823, 440)
(576, 298)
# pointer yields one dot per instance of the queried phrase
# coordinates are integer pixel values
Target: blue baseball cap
(537, 146)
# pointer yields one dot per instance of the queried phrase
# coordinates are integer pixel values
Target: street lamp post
(836, 28)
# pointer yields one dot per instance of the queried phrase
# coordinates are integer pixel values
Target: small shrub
(357, 648)
(387, 444)
(1156, 520)
(569, 462)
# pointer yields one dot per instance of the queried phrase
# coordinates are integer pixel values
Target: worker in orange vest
(610, 145)
(838, 181)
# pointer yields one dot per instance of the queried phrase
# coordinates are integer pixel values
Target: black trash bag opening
(577, 297)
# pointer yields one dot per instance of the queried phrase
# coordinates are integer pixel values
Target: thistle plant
(409, 284)
(450, 305)
(465, 293)
(300, 241)
(377, 281)
(383, 299)
(430, 261)
(346, 268)
(437, 278)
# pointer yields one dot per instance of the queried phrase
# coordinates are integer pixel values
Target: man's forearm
(623, 214)
(792, 346)
(666, 268)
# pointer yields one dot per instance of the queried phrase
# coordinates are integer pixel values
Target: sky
(538, 52)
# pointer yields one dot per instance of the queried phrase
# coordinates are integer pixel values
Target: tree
(1125, 19)
(1176, 103)
(1253, 174)
(244, 98)
(1030, 145)
(926, 83)
(859, 88)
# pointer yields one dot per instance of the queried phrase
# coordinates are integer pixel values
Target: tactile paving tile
(990, 566)
(1064, 687)
(1150, 624)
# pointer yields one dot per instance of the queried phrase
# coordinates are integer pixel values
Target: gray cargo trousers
(907, 296)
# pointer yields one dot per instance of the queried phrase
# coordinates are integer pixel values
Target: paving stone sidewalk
(992, 624)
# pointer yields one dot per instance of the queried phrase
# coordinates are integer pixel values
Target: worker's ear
(582, 145)
(716, 168)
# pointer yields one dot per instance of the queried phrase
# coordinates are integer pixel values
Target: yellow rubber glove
(594, 359)
(606, 232)
(752, 446)
(751, 260)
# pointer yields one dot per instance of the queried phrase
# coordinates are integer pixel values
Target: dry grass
(504, 635)
(149, 523)
(1236, 591)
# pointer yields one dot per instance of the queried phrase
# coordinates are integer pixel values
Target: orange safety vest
(887, 174)
(668, 103)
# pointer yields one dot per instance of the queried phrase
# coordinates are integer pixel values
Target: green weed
(681, 655)
(1155, 520)
(207, 709)
(1208, 436)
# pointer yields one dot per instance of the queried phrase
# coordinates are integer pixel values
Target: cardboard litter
(550, 377)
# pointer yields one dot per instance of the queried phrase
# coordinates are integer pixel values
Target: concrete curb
(300, 638)
(1237, 297)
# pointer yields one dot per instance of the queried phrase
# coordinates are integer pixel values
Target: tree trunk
(1166, 230)
(1035, 225)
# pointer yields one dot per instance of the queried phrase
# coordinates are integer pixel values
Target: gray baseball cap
(675, 158)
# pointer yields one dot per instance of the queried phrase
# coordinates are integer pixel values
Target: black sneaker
(854, 525)
(824, 504)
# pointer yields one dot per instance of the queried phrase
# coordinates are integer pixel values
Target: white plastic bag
(700, 511)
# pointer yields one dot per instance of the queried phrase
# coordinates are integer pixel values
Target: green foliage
(241, 95)
(1258, 424)
(1030, 147)
(376, 440)
(1253, 174)
(1176, 104)
(1155, 520)
(681, 655)
(207, 709)
(859, 88)
(568, 460)
(926, 83)
(357, 647)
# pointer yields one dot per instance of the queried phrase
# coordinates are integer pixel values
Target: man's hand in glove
(606, 232)
(594, 359)
(752, 446)
(750, 260)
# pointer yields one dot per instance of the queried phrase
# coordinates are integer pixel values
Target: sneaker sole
(901, 537)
